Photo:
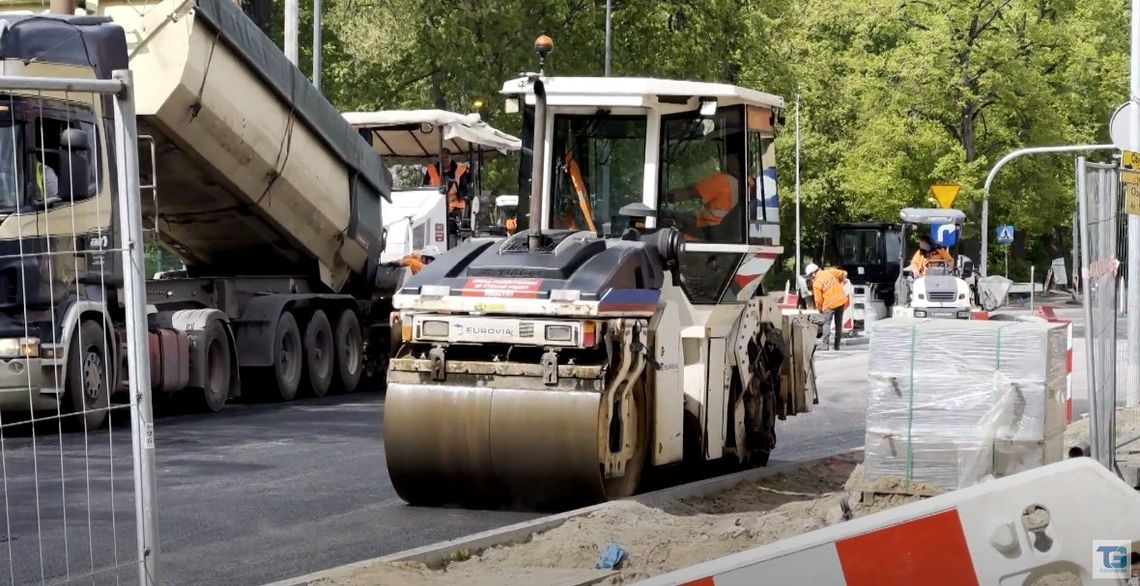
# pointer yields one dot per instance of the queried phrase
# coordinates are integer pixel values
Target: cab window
(764, 223)
(11, 155)
(599, 165)
(61, 161)
(703, 181)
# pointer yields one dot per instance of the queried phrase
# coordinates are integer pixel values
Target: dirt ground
(658, 540)
(810, 496)
(1127, 427)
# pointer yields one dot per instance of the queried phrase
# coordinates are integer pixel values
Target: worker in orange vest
(719, 193)
(927, 254)
(416, 261)
(830, 298)
(458, 183)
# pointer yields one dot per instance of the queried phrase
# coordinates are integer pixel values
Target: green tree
(897, 94)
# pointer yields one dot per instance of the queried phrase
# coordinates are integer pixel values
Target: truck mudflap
(1009, 530)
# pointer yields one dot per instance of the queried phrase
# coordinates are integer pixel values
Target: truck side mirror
(75, 173)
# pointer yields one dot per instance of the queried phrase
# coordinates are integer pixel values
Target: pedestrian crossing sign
(1005, 234)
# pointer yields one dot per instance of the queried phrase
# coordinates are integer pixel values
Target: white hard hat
(810, 269)
(430, 250)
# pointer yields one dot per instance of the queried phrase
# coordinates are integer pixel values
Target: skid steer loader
(624, 326)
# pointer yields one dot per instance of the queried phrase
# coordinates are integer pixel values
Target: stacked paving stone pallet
(952, 402)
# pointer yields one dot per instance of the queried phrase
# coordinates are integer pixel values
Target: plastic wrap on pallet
(952, 402)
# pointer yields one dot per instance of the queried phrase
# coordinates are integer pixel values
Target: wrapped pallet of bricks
(953, 402)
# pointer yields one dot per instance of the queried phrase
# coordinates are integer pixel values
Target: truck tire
(349, 352)
(216, 386)
(319, 355)
(88, 393)
(287, 358)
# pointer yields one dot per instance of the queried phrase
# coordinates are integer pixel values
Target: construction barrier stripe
(930, 550)
(1049, 314)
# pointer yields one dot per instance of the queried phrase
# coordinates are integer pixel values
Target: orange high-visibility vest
(579, 184)
(918, 263)
(719, 193)
(454, 202)
(827, 286)
(413, 261)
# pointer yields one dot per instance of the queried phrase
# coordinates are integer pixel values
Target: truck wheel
(216, 387)
(88, 382)
(349, 352)
(287, 358)
(319, 355)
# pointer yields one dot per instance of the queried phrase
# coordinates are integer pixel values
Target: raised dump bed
(257, 173)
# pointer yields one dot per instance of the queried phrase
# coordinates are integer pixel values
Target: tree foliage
(896, 94)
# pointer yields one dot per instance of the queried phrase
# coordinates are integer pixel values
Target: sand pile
(659, 539)
(1127, 427)
(680, 533)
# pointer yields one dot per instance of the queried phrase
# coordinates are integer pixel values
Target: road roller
(623, 327)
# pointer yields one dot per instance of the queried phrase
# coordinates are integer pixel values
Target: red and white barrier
(998, 532)
(1048, 313)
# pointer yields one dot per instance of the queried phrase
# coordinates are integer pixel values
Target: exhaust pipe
(543, 45)
(62, 7)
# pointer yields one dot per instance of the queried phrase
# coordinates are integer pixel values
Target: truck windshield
(11, 151)
(599, 165)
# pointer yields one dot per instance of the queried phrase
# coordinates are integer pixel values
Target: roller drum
(477, 446)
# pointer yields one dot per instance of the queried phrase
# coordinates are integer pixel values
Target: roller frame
(627, 376)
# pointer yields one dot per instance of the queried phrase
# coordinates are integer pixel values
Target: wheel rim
(321, 355)
(92, 376)
(350, 353)
(289, 360)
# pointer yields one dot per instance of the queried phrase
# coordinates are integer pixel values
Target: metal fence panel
(76, 464)
(1098, 201)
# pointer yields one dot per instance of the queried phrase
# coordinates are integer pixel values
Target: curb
(436, 554)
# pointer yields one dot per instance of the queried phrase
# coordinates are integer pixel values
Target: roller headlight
(434, 328)
(559, 333)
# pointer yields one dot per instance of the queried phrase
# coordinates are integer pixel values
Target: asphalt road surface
(264, 492)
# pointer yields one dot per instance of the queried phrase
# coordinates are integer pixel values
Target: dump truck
(611, 334)
(253, 179)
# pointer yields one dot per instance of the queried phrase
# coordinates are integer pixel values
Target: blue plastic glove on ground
(612, 557)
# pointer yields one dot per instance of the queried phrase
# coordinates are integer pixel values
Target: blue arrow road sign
(944, 234)
(1005, 234)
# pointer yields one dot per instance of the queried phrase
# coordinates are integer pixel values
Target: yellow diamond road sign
(945, 193)
(1130, 177)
